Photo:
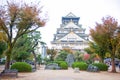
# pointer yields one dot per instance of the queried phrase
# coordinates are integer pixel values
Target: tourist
(119, 65)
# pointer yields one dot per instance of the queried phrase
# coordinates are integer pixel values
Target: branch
(11, 26)
(25, 32)
(3, 26)
(22, 33)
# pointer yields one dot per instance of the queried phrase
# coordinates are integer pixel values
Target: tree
(107, 36)
(26, 45)
(21, 49)
(52, 53)
(68, 50)
(3, 36)
(39, 60)
(88, 50)
(3, 47)
(96, 49)
(15, 21)
(78, 56)
(62, 55)
(35, 40)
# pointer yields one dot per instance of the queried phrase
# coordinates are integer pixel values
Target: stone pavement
(69, 74)
(60, 78)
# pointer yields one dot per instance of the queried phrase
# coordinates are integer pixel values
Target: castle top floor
(70, 17)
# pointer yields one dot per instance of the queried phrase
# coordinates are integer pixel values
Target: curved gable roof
(71, 37)
(71, 25)
(70, 15)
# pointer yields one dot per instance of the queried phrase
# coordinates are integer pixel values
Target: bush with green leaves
(58, 62)
(76, 65)
(80, 65)
(63, 65)
(22, 67)
(101, 66)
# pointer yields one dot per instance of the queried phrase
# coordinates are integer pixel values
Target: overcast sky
(89, 11)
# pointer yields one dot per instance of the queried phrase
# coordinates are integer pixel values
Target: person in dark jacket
(119, 65)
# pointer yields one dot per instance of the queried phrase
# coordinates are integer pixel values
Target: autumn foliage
(86, 56)
(17, 20)
(107, 36)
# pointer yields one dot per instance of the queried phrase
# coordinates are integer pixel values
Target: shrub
(22, 67)
(80, 65)
(58, 62)
(76, 65)
(63, 65)
(83, 66)
(101, 66)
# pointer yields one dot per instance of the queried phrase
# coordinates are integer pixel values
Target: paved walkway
(69, 74)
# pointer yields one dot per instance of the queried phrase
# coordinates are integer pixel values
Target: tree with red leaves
(15, 21)
(107, 36)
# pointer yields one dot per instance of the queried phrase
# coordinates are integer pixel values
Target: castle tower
(70, 34)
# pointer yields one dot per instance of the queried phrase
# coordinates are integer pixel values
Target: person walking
(119, 65)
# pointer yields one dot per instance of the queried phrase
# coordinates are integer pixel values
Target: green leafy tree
(62, 55)
(52, 53)
(35, 38)
(18, 20)
(107, 36)
(25, 45)
(78, 56)
(88, 50)
(39, 59)
(3, 47)
(21, 49)
(96, 49)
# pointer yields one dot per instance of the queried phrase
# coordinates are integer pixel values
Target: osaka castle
(70, 34)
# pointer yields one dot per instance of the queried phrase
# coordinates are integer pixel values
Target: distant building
(70, 34)
(44, 52)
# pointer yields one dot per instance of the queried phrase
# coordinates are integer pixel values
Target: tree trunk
(35, 59)
(101, 59)
(113, 64)
(8, 57)
(7, 63)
